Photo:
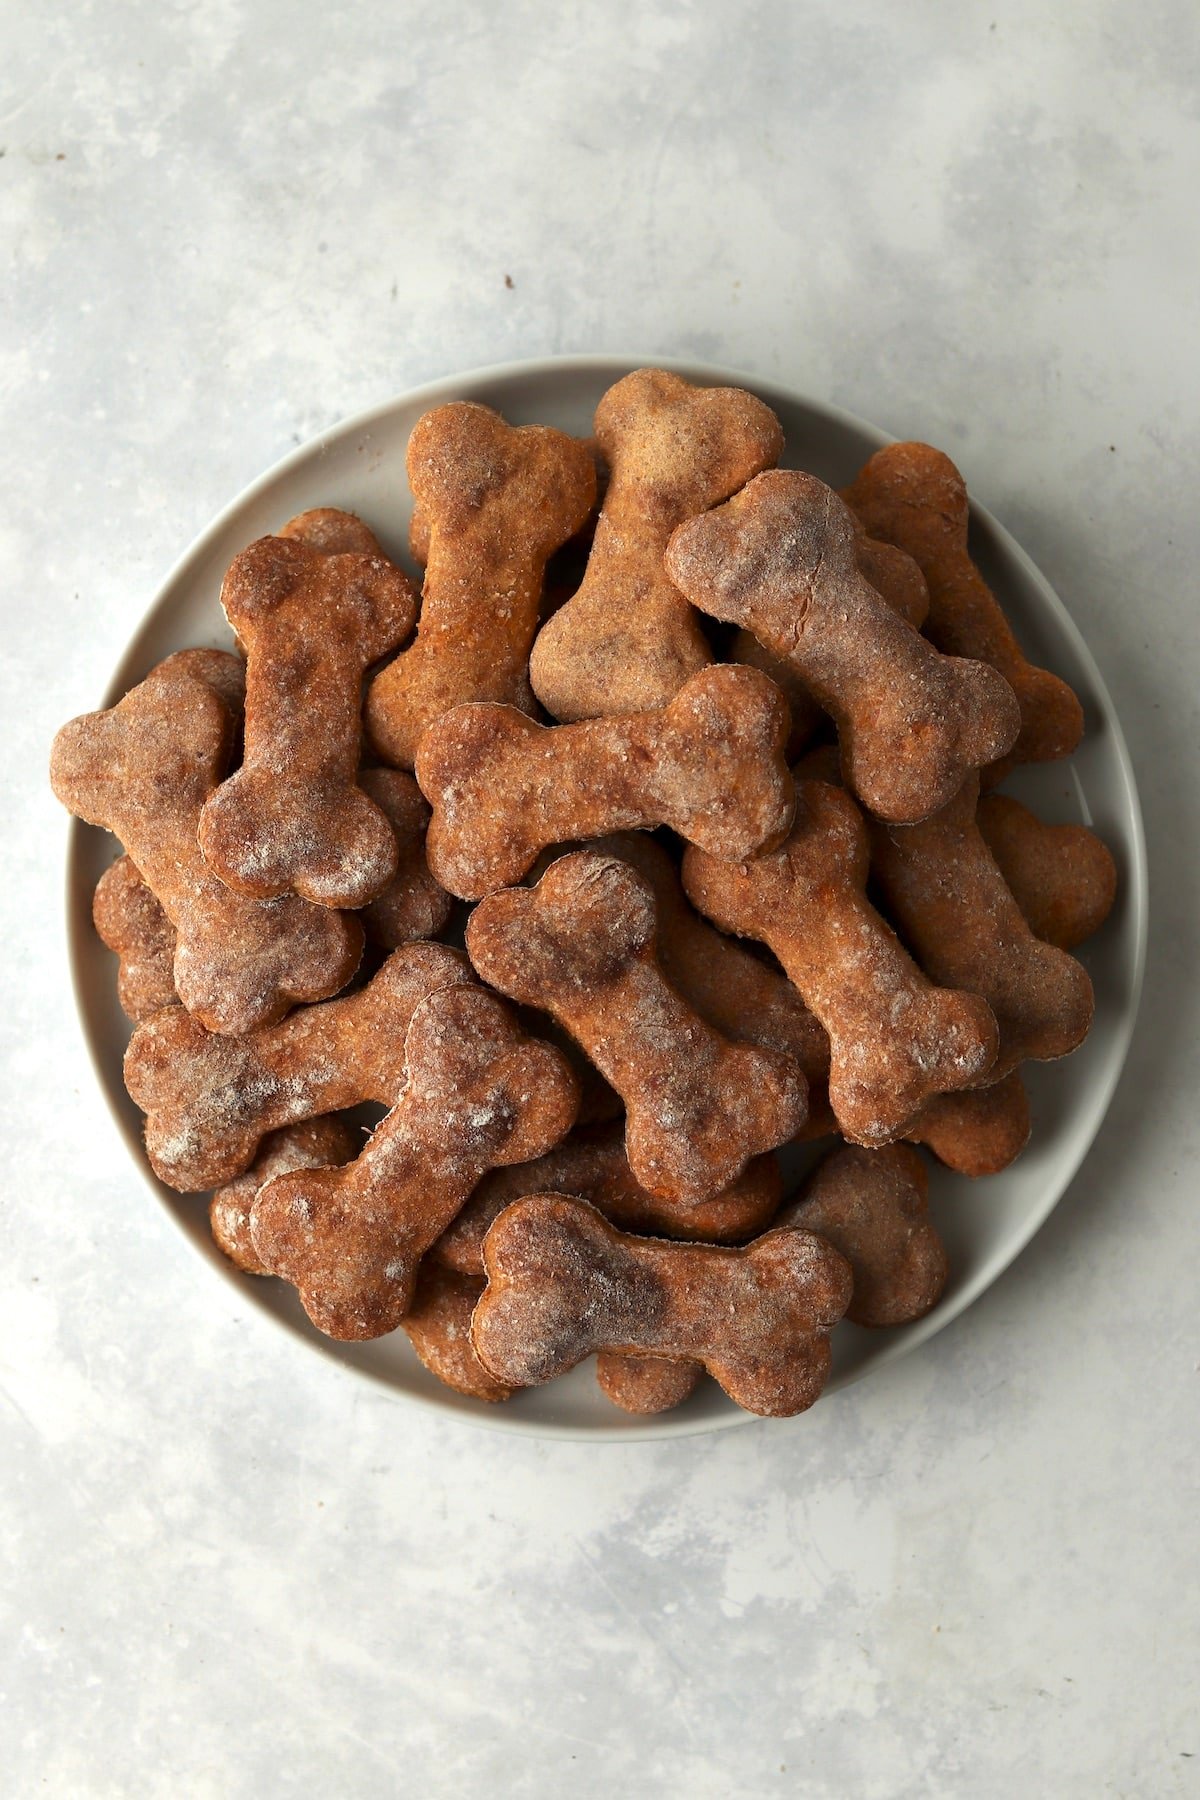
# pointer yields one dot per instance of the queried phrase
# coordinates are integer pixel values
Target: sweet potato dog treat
(438, 1326)
(315, 1144)
(130, 921)
(978, 1132)
(628, 641)
(944, 890)
(592, 1165)
(292, 819)
(496, 500)
(332, 532)
(781, 559)
(563, 1282)
(210, 1100)
(913, 496)
(480, 1093)
(873, 1206)
(221, 670)
(502, 789)
(144, 770)
(415, 905)
(581, 945)
(895, 1040)
(646, 1384)
(1062, 877)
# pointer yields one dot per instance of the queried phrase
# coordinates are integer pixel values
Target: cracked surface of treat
(130, 921)
(711, 765)
(958, 915)
(646, 1384)
(479, 1093)
(780, 558)
(210, 1100)
(895, 1039)
(627, 640)
(438, 1326)
(414, 905)
(913, 496)
(591, 1164)
(144, 770)
(495, 501)
(873, 1207)
(1062, 877)
(564, 1283)
(314, 1144)
(581, 946)
(292, 818)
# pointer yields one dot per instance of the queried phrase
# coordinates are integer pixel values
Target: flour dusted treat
(592, 1165)
(958, 915)
(895, 1040)
(581, 945)
(627, 641)
(913, 496)
(210, 1100)
(1062, 877)
(332, 532)
(414, 905)
(495, 501)
(438, 1326)
(647, 1384)
(563, 1282)
(781, 559)
(144, 770)
(479, 1094)
(130, 921)
(314, 1144)
(222, 670)
(503, 789)
(873, 1207)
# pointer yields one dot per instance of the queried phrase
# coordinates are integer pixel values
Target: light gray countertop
(228, 1569)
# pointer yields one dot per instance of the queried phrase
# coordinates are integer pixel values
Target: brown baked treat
(780, 558)
(913, 496)
(130, 921)
(976, 1133)
(438, 1326)
(1062, 877)
(627, 641)
(873, 1206)
(414, 905)
(314, 1144)
(646, 1384)
(497, 501)
(592, 1165)
(958, 916)
(292, 819)
(479, 1094)
(144, 770)
(210, 1100)
(564, 1283)
(332, 532)
(502, 789)
(895, 1040)
(221, 670)
(581, 945)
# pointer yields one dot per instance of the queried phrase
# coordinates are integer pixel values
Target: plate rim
(654, 1428)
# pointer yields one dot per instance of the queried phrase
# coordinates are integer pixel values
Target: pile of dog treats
(709, 753)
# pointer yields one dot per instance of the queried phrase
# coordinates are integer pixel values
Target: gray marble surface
(227, 1568)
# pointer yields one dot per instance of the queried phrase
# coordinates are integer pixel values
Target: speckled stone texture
(230, 1571)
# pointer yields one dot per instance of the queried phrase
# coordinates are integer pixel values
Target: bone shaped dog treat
(497, 501)
(563, 1282)
(502, 788)
(646, 1384)
(292, 819)
(144, 770)
(944, 890)
(592, 1165)
(332, 532)
(313, 1144)
(894, 1039)
(978, 1132)
(873, 1207)
(210, 1100)
(1062, 877)
(414, 905)
(913, 496)
(627, 641)
(780, 559)
(581, 945)
(480, 1093)
(438, 1326)
(130, 921)
(221, 670)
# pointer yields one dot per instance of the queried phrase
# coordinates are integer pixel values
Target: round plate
(360, 466)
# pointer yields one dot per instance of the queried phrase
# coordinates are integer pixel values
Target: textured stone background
(228, 1570)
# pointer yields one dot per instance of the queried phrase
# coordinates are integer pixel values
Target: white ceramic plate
(360, 466)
